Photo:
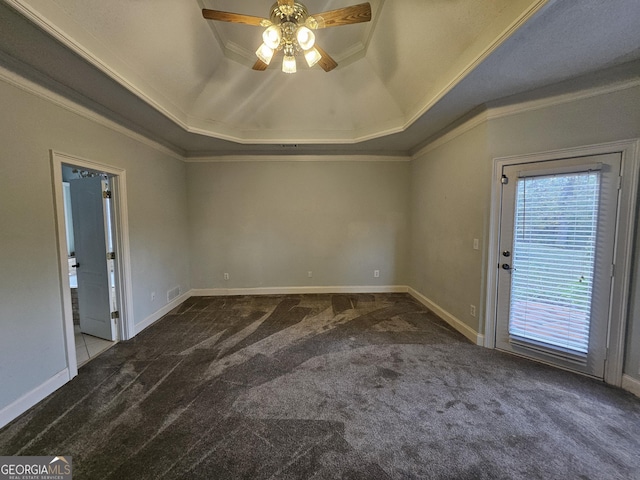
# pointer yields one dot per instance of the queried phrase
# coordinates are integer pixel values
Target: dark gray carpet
(326, 386)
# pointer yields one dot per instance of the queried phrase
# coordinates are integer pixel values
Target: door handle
(77, 265)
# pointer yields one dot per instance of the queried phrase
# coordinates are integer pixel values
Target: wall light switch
(476, 244)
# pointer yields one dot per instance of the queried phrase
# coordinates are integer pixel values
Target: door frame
(91, 216)
(125, 326)
(625, 228)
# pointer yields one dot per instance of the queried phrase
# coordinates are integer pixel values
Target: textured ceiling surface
(160, 68)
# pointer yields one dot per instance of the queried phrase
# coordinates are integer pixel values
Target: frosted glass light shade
(272, 37)
(306, 38)
(289, 64)
(265, 53)
(312, 56)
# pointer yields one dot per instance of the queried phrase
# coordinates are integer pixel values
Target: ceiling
(158, 67)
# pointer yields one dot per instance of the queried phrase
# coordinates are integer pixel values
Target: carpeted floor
(326, 386)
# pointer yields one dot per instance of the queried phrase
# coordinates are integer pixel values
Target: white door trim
(630, 150)
(126, 328)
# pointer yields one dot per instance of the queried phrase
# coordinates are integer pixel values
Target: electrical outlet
(226, 276)
(310, 274)
(153, 296)
(476, 244)
(472, 310)
(376, 274)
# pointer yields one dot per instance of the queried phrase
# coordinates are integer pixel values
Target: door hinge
(106, 194)
(111, 256)
(620, 182)
(613, 270)
(504, 180)
(115, 315)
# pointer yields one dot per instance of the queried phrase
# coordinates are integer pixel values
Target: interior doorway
(88, 214)
(93, 246)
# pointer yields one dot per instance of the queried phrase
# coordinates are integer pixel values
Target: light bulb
(289, 64)
(272, 37)
(312, 56)
(306, 38)
(265, 53)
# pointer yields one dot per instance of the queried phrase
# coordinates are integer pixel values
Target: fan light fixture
(289, 28)
(306, 38)
(289, 64)
(272, 37)
(265, 53)
(312, 56)
(288, 32)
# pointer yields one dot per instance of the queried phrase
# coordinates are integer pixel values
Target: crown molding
(44, 93)
(429, 103)
(495, 112)
(454, 132)
(166, 107)
(297, 158)
(182, 119)
(129, 80)
(219, 130)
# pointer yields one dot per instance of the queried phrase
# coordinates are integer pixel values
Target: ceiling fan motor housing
(290, 28)
(297, 13)
(289, 19)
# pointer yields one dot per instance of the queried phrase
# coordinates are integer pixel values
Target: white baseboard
(28, 400)
(154, 317)
(467, 331)
(631, 385)
(459, 325)
(219, 292)
(24, 403)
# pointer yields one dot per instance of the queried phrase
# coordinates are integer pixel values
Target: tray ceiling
(197, 71)
(414, 69)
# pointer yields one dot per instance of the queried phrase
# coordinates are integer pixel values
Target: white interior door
(94, 292)
(557, 234)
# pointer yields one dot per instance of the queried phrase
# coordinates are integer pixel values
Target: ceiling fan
(290, 28)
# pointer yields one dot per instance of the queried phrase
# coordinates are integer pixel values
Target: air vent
(173, 293)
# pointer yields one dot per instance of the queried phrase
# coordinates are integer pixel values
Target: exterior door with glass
(557, 237)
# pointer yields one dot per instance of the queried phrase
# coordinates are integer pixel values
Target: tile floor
(88, 347)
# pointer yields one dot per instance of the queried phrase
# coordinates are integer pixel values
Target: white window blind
(553, 261)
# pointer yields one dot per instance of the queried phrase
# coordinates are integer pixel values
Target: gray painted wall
(31, 339)
(599, 119)
(268, 223)
(451, 196)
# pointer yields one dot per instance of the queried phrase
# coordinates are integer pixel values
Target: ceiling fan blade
(234, 18)
(326, 62)
(343, 16)
(260, 65)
